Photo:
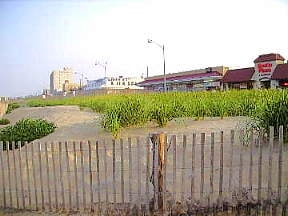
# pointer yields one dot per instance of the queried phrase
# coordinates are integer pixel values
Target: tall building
(60, 77)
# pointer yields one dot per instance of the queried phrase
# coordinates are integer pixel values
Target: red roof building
(238, 75)
(269, 57)
(280, 72)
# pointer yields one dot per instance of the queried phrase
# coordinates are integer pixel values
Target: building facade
(269, 71)
(194, 80)
(59, 78)
(114, 83)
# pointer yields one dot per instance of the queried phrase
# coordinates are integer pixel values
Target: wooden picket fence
(235, 171)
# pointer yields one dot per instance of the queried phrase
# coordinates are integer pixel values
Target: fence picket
(76, 176)
(232, 134)
(122, 171)
(98, 175)
(221, 166)
(54, 174)
(34, 175)
(68, 175)
(271, 140)
(193, 165)
(41, 175)
(260, 145)
(183, 168)
(15, 174)
(2, 173)
(114, 171)
(147, 171)
(82, 175)
(105, 171)
(251, 163)
(130, 170)
(61, 174)
(280, 163)
(90, 175)
(48, 176)
(21, 174)
(212, 167)
(9, 174)
(174, 165)
(202, 166)
(138, 173)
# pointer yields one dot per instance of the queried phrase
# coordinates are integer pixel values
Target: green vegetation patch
(4, 121)
(11, 107)
(26, 130)
(266, 107)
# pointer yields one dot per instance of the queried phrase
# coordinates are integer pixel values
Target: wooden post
(202, 166)
(155, 141)
(68, 175)
(2, 173)
(48, 177)
(193, 165)
(280, 163)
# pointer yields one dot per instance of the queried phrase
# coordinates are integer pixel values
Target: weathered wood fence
(161, 173)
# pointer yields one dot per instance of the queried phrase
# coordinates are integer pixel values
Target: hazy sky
(38, 36)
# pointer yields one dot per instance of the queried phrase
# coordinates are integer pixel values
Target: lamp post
(164, 68)
(81, 79)
(104, 65)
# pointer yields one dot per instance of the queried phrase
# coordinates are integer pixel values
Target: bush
(26, 130)
(4, 121)
(11, 107)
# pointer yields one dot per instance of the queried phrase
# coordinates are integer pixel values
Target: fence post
(160, 153)
(280, 162)
(2, 173)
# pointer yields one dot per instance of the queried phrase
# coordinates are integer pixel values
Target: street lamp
(81, 79)
(104, 65)
(164, 69)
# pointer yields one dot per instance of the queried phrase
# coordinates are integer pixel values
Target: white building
(59, 77)
(114, 83)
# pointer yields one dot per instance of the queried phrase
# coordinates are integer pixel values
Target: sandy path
(75, 124)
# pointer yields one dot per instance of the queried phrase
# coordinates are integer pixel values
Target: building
(60, 77)
(194, 80)
(114, 83)
(269, 71)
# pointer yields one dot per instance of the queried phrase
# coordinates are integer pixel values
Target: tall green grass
(267, 107)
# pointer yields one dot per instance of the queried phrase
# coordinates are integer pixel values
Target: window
(111, 83)
(123, 83)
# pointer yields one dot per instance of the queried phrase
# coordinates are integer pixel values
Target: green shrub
(4, 121)
(11, 107)
(26, 130)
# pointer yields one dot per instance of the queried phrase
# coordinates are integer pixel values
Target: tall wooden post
(159, 152)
